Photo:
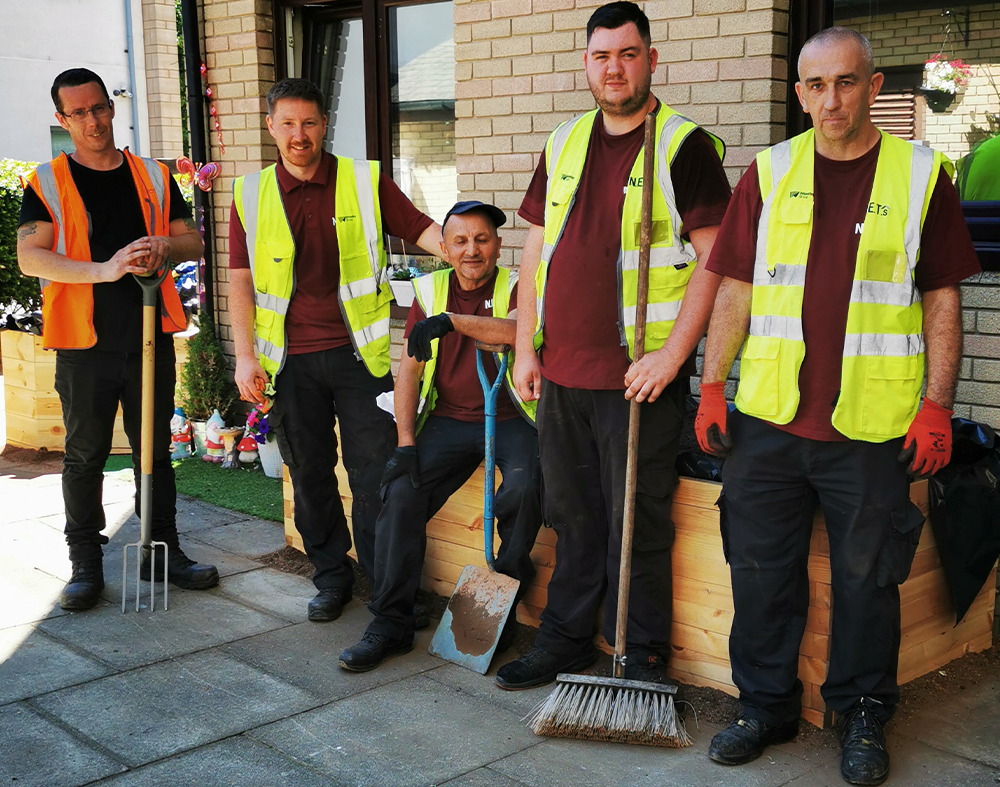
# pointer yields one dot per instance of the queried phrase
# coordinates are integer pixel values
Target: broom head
(610, 709)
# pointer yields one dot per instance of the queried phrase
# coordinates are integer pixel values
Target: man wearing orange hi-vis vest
(842, 251)
(88, 221)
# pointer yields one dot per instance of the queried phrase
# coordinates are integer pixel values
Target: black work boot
(645, 665)
(538, 667)
(372, 651)
(327, 605)
(745, 739)
(84, 586)
(864, 759)
(181, 570)
(421, 616)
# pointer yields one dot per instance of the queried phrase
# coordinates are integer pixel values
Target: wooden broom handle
(631, 469)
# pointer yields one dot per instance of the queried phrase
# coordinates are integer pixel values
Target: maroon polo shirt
(456, 378)
(582, 346)
(842, 190)
(314, 321)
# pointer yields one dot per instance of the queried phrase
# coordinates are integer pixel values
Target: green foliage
(206, 380)
(14, 287)
(185, 126)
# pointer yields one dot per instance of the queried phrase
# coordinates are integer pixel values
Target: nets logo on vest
(874, 209)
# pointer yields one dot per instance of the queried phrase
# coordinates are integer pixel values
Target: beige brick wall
(428, 148)
(238, 52)
(163, 89)
(519, 73)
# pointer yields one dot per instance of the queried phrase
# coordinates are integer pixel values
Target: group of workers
(834, 267)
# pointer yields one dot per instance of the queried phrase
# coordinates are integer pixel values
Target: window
(61, 142)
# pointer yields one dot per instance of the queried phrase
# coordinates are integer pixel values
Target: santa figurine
(216, 450)
(180, 435)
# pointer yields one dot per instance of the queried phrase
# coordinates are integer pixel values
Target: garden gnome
(213, 440)
(180, 435)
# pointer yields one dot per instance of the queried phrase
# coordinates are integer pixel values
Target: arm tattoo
(26, 229)
(190, 223)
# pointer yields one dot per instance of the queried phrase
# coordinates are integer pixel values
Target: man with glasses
(87, 221)
(309, 298)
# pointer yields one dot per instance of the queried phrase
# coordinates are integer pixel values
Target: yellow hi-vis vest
(671, 261)
(883, 361)
(364, 293)
(432, 294)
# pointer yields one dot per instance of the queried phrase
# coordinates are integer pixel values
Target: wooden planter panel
(33, 411)
(703, 601)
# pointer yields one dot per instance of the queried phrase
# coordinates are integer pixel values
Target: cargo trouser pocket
(723, 525)
(899, 547)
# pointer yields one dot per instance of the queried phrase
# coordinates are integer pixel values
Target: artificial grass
(247, 491)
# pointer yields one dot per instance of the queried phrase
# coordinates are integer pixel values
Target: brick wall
(163, 88)
(519, 73)
(429, 149)
(911, 38)
(238, 52)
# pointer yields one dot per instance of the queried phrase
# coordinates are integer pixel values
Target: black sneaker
(372, 651)
(864, 759)
(645, 665)
(85, 585)
(327, 605)
(538, 667)
(181, 570)
(745, 739)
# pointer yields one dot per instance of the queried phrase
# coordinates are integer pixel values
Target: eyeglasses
(99, 111)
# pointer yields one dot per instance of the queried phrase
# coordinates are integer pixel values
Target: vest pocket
(884, 265)
(891, 393)
(759, 375)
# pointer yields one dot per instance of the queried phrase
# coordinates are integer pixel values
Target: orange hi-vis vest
(68, 309)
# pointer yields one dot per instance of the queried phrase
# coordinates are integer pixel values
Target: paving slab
(30, 497)
(194, 514)
(556, 762)
(483, 777)
(966, 724)
(34, 752)
(164, 709)
(32, 663)
(195, 621)
(251, 537)
(406, 733)
(305, 655)
(270, 590)
(235, 762)
(913, 765)
(485, 688)
(28, 593)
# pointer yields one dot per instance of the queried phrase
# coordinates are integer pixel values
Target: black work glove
(402, 462)
(419, 344)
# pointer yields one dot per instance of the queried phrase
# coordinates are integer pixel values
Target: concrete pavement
(233, 686)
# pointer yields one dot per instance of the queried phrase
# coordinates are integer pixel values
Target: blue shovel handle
(490, 393)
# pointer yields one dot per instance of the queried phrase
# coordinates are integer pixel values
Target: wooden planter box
(33, 411)
(703, 601)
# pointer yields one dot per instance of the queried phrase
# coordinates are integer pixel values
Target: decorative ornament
(196, 173)
(212, 110)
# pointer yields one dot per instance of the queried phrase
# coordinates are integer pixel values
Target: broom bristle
(606, 713)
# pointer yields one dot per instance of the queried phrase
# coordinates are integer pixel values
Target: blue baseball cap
(497, 216)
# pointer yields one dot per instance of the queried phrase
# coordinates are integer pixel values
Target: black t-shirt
(116, 220)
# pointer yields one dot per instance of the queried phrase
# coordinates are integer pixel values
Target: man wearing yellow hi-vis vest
(309, 299)
(440, 415)
(575, 345)
(842, 250)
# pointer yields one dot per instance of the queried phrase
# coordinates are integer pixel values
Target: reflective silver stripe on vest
(273, 303)
(423, 288)
(885, 292)
(251, 204)
(680, 252)
(47, 182)
(156, 178)
(781, 162)
(268, 350)
(777, 327)
(366, 199)
(372, 333)
(887, 344)
(782, 276)
(559, 137)
(921, 169)
(659, 257)
(356, 289)
(655, 312)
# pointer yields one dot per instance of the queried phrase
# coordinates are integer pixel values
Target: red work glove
(928, 440)
(710, 425)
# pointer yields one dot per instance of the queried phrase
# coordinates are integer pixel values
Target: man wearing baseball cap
(439, 420)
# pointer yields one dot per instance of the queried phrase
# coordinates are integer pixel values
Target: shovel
(150, 285)
(483, 598)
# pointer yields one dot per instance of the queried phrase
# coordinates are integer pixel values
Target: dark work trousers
(772, 481)
(582, 438)
(449, 452)
(90, 384)
(312, 392)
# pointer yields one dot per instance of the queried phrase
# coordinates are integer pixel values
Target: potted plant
(401, 284)
(943, 79)
(259, 428)
(207, 384)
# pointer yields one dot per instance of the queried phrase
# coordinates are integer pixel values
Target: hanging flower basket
(943, 79)
(937, 100)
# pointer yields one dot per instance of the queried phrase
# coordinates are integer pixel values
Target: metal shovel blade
(477, 612)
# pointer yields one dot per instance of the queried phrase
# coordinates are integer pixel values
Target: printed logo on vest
(489, 303)
(878, 210)
(345, 218)
(800, 195)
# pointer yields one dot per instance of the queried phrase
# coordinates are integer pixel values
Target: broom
(615, 709)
